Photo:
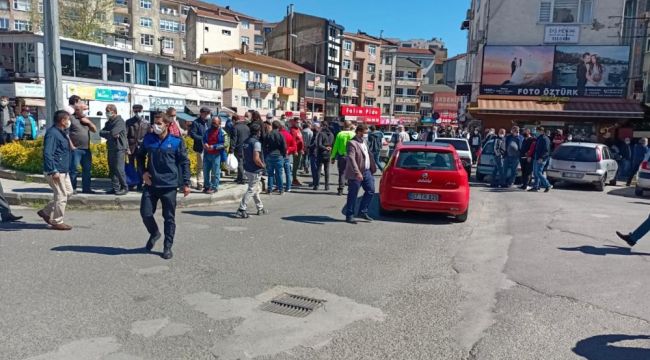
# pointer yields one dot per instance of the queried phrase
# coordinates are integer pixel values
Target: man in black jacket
(498, 174)
(542, 156)
(275, 151)
(116, 143)
(325, 143)
(136, 128)
(525, 161)
(197, 130)
(240, 133)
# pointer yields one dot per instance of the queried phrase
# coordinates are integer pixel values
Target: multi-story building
(562, 64)
(315, 44)
(257, 82)
(432, 70)
(361, 56)
(15, 15)
(454, 71)
(441, 100)
(210, 32)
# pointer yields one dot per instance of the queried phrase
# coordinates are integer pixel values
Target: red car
(426, 178)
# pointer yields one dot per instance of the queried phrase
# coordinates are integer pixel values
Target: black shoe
(314, 188)
(167, 253)
(241, 214)
(89, 192)
(261, 212)
(340, 192)
(281, 192)
(110, 192)
(11, 218)
(626, 238)
(350, 220)
(121, 192)
(533, 190)
(547, 189)
(365, 216)
(152, 241)
(327, 188)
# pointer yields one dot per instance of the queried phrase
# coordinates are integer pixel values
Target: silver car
(583, 163)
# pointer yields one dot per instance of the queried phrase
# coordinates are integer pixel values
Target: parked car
(426, 178)
(643, 177)
(485, 163)
(584, 163)
(463, 150)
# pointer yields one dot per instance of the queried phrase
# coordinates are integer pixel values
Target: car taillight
(644, 165)
(599, 154)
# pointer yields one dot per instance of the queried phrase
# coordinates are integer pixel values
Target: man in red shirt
(296, 133)
(292, 150)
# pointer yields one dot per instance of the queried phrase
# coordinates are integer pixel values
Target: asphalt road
(529, 276)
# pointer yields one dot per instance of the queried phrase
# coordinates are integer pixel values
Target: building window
(245, 101)
(566, 11)
(166, 10)
(354, 101)
(67, 62)
(369, 101)
(271, 104)
(118, 69)
(388, 75)
(22, 25)
(257, 103)
(245, 24)
(271, 80)
(347, 45)
(245, 40)
(411, 92)
(294, 83)
(121, 3)
(345, 99)
(293, 106)
(411, 108)
(399, 91)
(4, 24)
(25, 57)
(22, 5)
(185, 10)
(355, 84)
(168, 44)
(146, 22)
(388, 60)
(257, 76)
(283, 81)
(398, 108)
(146, 39)
(412, 75)
(4, 5)
(425, 98)
(333, 52)
(399, 74)
(333, 32)
(169, 26)
(145, 4)
(245, 76)
(226, 32)
(385, 109)
(347, 64)
(331, 71)
(345, 82)
(387, 91)
(182, 27)
(372, 50)
(81, 64)
(151, 74)
(357, 66)
(210, 81)
(371, 68)
(120, 20)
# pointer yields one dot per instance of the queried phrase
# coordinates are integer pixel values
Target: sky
(404, 19)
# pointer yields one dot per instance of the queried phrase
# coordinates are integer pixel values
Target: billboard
(566, 71)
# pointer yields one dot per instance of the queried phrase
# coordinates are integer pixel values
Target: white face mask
(4, 102)
(365, 136)
(158, 129)
(67, 124)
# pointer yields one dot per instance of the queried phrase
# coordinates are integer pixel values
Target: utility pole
(53, 85)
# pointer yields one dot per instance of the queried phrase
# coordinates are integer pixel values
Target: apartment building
(15, 15)
(360, 60)
(257, 82)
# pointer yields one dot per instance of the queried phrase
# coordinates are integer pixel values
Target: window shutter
(545, 11)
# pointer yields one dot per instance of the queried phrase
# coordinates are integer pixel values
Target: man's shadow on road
(600, 348)
(606, 250)
(104, 250)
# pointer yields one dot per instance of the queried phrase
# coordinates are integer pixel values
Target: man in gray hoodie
(116, 143)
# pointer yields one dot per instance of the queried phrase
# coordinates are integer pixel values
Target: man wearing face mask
(197, 131)
(475, 142)
(79, 133)
(7, 120)
(116, 143)
(136, 128)
(162, 159)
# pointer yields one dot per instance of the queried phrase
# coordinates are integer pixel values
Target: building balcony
(406, 100)
(285, 91)
(408, 82)
(168, 52)
(361, 55)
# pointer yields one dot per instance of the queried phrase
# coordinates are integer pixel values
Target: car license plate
(422, 197)
(572, 175)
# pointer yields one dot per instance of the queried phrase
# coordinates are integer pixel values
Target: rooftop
(221, 10)
(218, 58)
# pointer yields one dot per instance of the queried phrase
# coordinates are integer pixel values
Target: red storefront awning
(592, 108)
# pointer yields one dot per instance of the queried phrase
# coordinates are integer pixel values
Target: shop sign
(162, 103)
(256, 85)
(120, 95)
(103, 94)
(333, 88)
(30, 90)
(561, 34)
(369, 112)
(84, 92)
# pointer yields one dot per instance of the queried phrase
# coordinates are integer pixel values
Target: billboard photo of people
(595, 71)
(507, 68)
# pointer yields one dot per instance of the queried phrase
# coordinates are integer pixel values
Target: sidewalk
(35, 192)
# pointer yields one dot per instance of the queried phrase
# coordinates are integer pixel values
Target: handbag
(232, 162)
(132, 176)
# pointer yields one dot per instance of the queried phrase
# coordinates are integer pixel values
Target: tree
(87, 20)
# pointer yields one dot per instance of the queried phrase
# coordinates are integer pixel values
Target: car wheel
(383, 212)
(612, 182)
(479, 176)
(600, 186)
(462, 217)
(638, 191)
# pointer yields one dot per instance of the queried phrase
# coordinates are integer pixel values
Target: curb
(107, 202)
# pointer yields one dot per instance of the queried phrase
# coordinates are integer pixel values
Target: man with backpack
(513, 154)
(375, 140)
(498, 174)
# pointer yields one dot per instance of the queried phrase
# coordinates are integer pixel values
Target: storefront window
(210, 81)
(151, 74)
(88, 65)
(184, 77)
(118, 69)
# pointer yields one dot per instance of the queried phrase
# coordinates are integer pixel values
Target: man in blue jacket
(638, 155)
(56, 165)
(542, 156)
(513, 148)
(160, 160)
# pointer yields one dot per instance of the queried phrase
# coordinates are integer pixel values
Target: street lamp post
(53, 87)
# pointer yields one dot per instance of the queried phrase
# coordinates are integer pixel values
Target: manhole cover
(292, 305)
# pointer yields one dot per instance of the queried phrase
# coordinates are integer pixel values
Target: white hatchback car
(643, 177)
(585, 163)
(462, 148)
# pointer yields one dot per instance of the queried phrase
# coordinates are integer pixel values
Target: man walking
(136, 129)
(542, 155)
(340, 152)
(292, 151)
(240, 134)
(307, 137)
(215, 147)
(275, 153)
(162, 159)
(5, 210)
(475, 142)
(79, 133)
(375, 141)
(115, 134)
(56, 165)
(296, 134)
(639, 153)
(526, 162)
(359, 169)
(498, 174)
(324, 145)
(513, 155)
(197, 132)
(254, 166)
(7, 120)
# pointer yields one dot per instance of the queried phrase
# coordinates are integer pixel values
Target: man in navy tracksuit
(160, 159)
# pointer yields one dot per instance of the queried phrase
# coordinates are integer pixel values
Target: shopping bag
(232, 162)
(132, 176)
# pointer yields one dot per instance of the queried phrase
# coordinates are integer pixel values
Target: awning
(192, 109)
(601, 108)
(185, 116)
(34, 102)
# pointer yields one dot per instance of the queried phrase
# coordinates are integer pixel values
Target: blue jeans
(498, 174)
(640, 232)
(538, 171)
(274, 168)
(368, 185)
(623, 170)
(84, 158)
(211, 171)
(288, 171)
(510, 165)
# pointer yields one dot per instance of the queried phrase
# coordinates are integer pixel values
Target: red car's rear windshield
(425, 160)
